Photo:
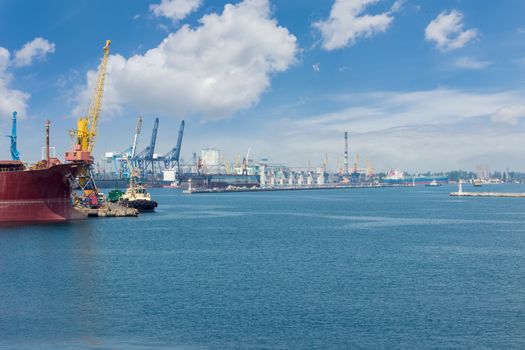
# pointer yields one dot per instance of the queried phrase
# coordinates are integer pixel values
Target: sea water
(383, 268)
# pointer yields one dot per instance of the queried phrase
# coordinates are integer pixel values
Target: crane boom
(96, 100)
(137, 133)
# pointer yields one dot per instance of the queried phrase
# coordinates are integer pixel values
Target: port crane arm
(174, 154)
(96, 101)
(136, 137)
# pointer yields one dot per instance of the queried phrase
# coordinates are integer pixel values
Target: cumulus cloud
(10, 99)
(38, 48)
(222, 66)
(509, 114)
(176, 10)
(447, 31)
(347, 22)
(471, 63)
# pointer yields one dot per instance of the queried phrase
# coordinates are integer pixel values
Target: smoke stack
(346, 152)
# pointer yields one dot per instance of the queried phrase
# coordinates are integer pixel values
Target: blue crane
(173, 155)
(144, 159)
(15, 155)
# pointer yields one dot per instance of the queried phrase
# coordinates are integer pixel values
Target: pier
(488, 194)
(110, 210)
(460, 193)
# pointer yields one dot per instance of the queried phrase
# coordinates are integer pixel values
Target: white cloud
(436, 129)
(471, 63)
(509, 114)
(10, 99)
(36, 49)
(220, 67)
(347, 23)
(447, 31)
(396, 7)
(316, 67)
(176, 10)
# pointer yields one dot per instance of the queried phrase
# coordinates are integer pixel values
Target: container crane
(85, 137)
(145, 158)
(15, 155)
(173, 156)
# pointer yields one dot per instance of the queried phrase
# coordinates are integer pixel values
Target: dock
(109, 210)
(460, 193)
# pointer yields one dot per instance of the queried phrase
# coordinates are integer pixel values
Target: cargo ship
(397, 177)
(38, 194)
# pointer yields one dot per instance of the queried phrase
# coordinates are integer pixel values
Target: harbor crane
(144, 159)
(15, 155)
(173, 156)
(85, 137)
(123, 168)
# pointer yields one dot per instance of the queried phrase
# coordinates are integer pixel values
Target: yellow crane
(86, 132)
(85, 137)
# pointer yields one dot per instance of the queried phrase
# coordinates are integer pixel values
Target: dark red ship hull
(42, 195)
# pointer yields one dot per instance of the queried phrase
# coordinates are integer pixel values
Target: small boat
(477, 183)
(433, 183)
(136, 196)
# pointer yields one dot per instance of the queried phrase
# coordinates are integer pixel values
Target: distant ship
(397, 177)
(433, 183)
(38, 194)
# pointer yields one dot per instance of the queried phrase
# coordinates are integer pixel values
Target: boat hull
(140, 204)
(42, 195)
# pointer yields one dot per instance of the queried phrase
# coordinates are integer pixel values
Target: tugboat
(136, 196)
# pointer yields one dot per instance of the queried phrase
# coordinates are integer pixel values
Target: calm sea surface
(406, 268)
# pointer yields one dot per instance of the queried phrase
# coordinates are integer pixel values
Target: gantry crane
(173, 156)
(85, 137)
(144, 159)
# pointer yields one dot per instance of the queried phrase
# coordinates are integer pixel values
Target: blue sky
(418, 84)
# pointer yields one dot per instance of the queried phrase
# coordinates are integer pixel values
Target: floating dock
(110, 210)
